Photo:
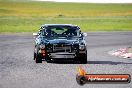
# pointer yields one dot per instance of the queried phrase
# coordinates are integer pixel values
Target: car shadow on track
(90, 62)
(64, 62)
(107, 62)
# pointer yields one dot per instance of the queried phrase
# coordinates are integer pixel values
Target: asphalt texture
(19, 70)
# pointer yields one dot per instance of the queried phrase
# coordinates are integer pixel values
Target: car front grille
(61, 48)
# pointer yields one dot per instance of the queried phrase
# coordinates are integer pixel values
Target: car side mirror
(35, 34)
(84, 34)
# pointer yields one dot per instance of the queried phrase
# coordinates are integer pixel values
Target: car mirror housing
(35, 34)
(84, 34)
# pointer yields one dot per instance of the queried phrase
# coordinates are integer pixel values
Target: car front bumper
(62, 55)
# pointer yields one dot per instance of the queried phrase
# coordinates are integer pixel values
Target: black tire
(38, 59)
(34, 57)
(83, 59)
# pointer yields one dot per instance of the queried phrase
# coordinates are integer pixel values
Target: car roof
(46, 25)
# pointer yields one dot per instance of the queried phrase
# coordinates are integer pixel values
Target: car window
(60, 31)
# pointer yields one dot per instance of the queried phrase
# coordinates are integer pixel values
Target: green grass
(29, 16)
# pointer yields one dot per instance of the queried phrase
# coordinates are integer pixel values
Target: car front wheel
(83, 59)
(38, 59)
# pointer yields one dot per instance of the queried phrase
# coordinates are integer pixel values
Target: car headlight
(81, 47)
(42, 46)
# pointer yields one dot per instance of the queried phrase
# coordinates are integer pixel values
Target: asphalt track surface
(19, 70)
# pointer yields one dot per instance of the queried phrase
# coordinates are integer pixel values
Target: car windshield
(60, 31)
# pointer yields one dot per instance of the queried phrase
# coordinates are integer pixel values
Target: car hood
(61, 40)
